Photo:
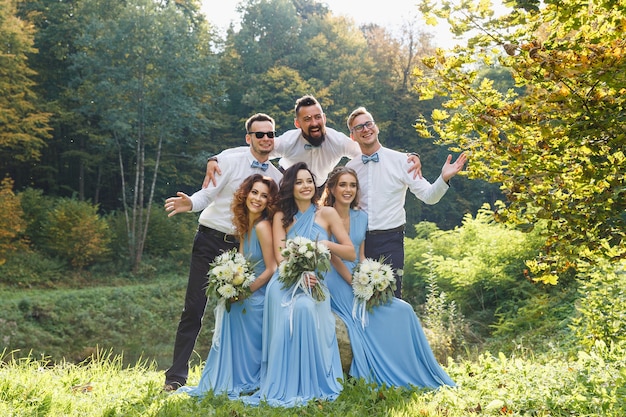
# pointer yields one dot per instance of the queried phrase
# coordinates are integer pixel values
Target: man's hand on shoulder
(416, 168)
(212, 171)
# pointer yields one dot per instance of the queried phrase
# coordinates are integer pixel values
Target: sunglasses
(260, 135)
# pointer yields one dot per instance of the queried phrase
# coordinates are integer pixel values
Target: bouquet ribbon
(359, 309)
(219, 312)
(289, 300)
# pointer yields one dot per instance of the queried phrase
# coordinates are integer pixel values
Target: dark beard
(314, 141)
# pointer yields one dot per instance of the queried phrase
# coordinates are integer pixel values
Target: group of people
(279, 348)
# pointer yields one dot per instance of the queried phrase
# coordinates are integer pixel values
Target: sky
(387, 13)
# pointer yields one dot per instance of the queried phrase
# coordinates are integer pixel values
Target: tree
(559, 146)
(12, 224)
(23, 125)
(143, 75)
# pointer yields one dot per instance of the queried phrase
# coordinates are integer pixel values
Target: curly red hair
(240, 209)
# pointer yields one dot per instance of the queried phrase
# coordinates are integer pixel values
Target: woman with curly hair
(234, 362)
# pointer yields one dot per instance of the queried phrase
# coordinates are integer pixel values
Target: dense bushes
(12, 223)
(480, 269)
(45, 240)
(602, 306)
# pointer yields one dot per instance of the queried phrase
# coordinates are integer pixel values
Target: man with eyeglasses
(215, 233)
(312, 142)
(383, 182)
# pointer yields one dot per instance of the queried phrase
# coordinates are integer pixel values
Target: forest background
(108, 107)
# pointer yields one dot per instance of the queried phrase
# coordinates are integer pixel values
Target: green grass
(592, 384)
(98, 347)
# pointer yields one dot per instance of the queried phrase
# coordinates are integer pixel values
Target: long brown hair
(328, 198)
(240, 209)
(286, 201)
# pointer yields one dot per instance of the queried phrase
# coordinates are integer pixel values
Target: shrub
(445, 323)
(479, 265)
(32, 269)
(602, 305)
(36, 209)
(168, 237)
(76, 233)
(12, 224)
(171, 237)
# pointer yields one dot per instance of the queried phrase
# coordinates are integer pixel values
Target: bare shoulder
(263, 229)
(263, 226)
(327, 213)
(278, 217)
(326, 210)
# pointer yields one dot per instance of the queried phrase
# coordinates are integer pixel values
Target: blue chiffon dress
(389, 347)
(300, 353)
(234, 362)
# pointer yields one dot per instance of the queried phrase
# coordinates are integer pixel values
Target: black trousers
(207, 245)
(389, 245)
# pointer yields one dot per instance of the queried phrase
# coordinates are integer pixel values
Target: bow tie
(257, 164)
(308, 146)
(373, 157)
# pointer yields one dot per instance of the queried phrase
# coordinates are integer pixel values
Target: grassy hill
(592, 384)
(100, 351)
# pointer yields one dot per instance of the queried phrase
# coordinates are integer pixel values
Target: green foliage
(591, 384)
(136, 320)
(75, 232)
(480, 265)
(169, 238)
(556, 142)
(12, 222)
(23, 125)
(36, 207)
(145, 77)
(447, 327)
(33, 269)
(602, 305)
(540, 319)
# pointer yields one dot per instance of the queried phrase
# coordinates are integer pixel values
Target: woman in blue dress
(388, 344)
(300, 353)
(234, 363)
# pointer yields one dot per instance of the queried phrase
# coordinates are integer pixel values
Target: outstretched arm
(179, 204)
(450, 169)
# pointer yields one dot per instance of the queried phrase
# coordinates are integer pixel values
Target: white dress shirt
(214, 201)
(383, 187)
(290, 148)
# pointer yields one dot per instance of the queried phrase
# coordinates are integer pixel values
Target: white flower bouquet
(302, 256)
(373, 284)
(230, 276)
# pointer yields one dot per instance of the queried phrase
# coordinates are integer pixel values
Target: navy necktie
(257, 164)
(373, 157)
(308, 146)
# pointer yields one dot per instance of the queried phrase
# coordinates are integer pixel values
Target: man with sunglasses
(383, 182)
(215, 233)
(312, 142)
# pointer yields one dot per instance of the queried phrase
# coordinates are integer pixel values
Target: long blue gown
(300, 353)
(234, 362)
(390, 347)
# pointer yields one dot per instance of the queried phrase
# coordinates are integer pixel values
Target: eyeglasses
(359, 128)
(259, 135)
